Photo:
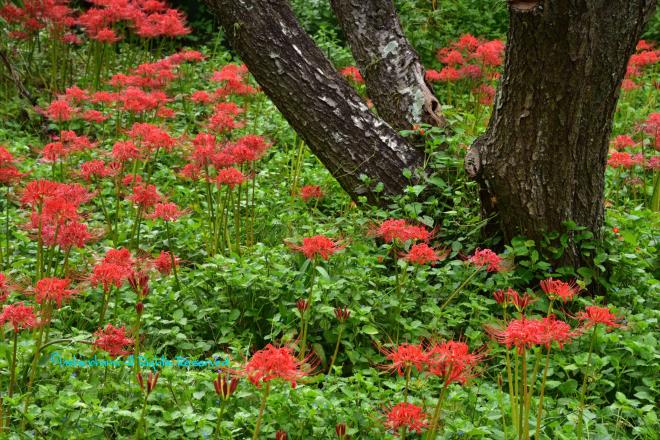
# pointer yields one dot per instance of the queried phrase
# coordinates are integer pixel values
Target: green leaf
(370, 330)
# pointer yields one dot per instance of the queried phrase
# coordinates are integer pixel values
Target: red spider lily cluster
(352, 74)
(471, 63)
(317, 246)
(19, 316)
(636, 163)
(114, 340)
(645, 55)
(310, 192)
(274, 363)
(406, 416)
(527, 333)
(103, 22)
(451, 360)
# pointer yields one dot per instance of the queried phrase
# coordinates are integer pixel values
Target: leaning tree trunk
(542, 160)
(392, 72)
(327, 113)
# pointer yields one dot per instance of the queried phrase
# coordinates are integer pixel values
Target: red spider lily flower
(621, 160)
(145, 196)
(19, 316)
(121, 256)
(53, 289)
(449, 74)
(487, 258)
(520, 333)
(102, 97)
(152, 137)
(644, 45)
(594, 315)
(452, 361)
(94, 116)
(317, 246)
(622, 142)
(467, 42)
(432, 75)
(224, 386)
(422, 254)
(166, 113)
(73, 193)
(485, 94)
(230, 177)
(72, 235)
(125, 150)
(559, 289)
(59, 111)
(450, 57)
(168, 212)
(353, 74)
(501, 296)
(399, 231)
(163, 262)
(116, 267)
(471, 71)
(106, 36)
(201, 97)
(109, 274)
(406, 416)
(95, 169)
(37, 191)
(404, 356)
(191, 171)
(8, 172)
(113, 340)
(230, 72)
(554, 330)
(281, 435)
(302, 305)
(309, 192)
(520, 302)
(5, 288)
(342, 314)
(340, 430)
(254, 143)
(139, 282)
(152, 381)
(272, 363)
(75, 95)
(490, 53)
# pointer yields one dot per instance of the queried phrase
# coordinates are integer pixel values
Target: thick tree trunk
(542, 160)
(329, 115)
(390, 66)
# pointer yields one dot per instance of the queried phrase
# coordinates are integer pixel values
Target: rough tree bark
(327, 113)
(542, 159)
(392, 72)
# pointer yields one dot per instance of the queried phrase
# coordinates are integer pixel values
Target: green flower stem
(221, 411)
(334, 355)
(584, 384)
(303, 345)
(539, 413)
(458, 289)
(12, 374)
(432, 433)
(173, 260)
(264, 399)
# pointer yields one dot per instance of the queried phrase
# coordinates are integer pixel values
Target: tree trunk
(542, 160)
(327, 113)
(390, 66)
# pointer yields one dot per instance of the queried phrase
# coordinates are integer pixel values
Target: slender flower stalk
(262, 408)
(585, 379)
